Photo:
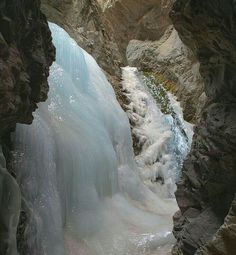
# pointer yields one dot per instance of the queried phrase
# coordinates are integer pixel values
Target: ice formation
(81, 187)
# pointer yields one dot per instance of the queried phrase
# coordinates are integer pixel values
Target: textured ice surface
(164, 139)
(79, 181)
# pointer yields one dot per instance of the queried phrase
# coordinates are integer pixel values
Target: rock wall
(26, 52)
(173, 65)
(138, 19)
(223, 242)
(207, 188)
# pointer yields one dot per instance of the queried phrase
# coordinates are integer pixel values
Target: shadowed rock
(26, 52)
(209, 173)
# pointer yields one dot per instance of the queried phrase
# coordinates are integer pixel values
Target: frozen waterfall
(82, 193)
(162, 136)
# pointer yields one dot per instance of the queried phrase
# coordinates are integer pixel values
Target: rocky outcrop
(26, 52)
(173, 64)
(140, 20)
(207, 187)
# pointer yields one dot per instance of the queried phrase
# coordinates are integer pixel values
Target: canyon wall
(137, 19)
(26, 52)
(174, 65)
(207, 188)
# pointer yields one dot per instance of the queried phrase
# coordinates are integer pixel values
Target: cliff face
(207, 188)
(26, 53)
(173, 65)
(140, 20)
(113, 22)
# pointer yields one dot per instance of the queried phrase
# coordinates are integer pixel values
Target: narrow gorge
(117, 127)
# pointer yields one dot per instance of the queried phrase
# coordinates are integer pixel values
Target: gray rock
(209, 173)
(223, 242)
(26, 52)
(175, 62)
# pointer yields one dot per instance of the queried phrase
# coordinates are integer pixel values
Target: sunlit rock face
(120, 21)
(144, 31)
(208, 186)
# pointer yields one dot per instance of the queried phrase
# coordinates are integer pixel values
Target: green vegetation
(160, 78)
(159, 93)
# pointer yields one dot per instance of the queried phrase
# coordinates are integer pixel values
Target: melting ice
(81, 189)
